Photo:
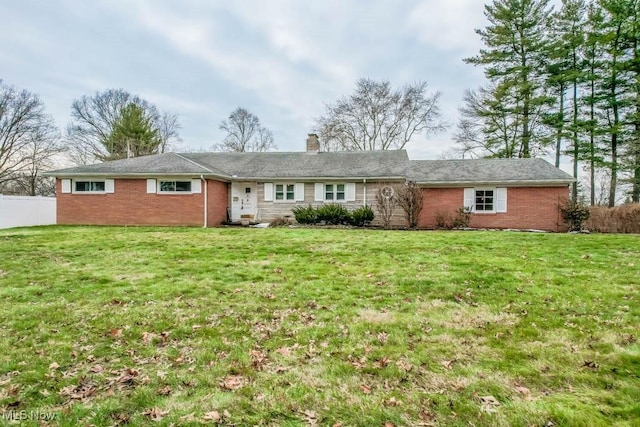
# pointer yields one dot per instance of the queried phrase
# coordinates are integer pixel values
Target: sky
(282, 60)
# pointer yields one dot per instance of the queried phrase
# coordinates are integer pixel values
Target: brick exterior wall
(131, 205)
(217, 202)
(527, 208)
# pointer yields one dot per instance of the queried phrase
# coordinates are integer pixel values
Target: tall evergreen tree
(567, 66)
(133, 134)
(632, 34)
(487, 128)
(615, 82)
(591, 126)
(514, 58)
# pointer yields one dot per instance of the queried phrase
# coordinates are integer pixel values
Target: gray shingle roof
(345, 164)
(486, 171)
(167, 163)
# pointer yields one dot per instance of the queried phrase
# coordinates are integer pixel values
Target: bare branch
(244, 133)
(378, 117)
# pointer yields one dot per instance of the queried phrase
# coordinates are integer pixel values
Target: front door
(244, 200)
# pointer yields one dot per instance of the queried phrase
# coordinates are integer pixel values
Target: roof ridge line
(218, 172)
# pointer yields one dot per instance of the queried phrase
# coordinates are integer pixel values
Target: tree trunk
(592, 139)
(576, 148)
(561, 127)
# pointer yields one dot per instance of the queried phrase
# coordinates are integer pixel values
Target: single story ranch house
(208, 189)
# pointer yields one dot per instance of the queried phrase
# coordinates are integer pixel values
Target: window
(484, 200)
(175, 186)
(285, 192)
(89, 186)
(334, 192)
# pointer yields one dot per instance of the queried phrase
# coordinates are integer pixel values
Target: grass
(292, 327)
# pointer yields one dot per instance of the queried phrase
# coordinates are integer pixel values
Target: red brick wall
(217, 201)
(131, 205)
(527, 208)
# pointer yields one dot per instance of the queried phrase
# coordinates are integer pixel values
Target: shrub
(574, 214)
(619, 219)
(443, 220)
(386, 202)
(333, 213)
(362, 216)
(306, 214)
(410, 199)
(462, 218)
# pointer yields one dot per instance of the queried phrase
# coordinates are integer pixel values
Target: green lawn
(292, 327)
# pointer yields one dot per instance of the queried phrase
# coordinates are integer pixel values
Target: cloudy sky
(282, 60)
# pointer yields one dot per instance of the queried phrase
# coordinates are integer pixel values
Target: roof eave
(62, 175)
(506, 183)
(316, 178)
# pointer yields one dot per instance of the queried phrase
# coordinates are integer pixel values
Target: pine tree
(615, 82)
(133, 134)
(487, 127)
(514, 57)
(632, 161)
(593, 53)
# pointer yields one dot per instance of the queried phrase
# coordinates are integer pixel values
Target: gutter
(206, 202)
(364, 192)
(515, 183)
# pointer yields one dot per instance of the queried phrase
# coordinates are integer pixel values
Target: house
(208, 189)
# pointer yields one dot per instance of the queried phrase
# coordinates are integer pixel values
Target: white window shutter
(319, 194)
(469, 199)
(196, 186)
(299, 192)
(268, 191)
(66, 185)
(109, 186)
(350, 191)
(151, 186)
(501, 199)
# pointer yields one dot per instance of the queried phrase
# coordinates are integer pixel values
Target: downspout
(364, 191)
(206, 201)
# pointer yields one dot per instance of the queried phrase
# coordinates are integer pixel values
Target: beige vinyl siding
(270, 210)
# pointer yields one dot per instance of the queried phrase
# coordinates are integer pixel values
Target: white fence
(21, 211)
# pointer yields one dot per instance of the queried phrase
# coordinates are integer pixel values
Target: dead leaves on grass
(86, 388)
(489, 404)
(155, 414)
(232, 382)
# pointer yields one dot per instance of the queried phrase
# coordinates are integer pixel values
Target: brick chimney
(313, 144)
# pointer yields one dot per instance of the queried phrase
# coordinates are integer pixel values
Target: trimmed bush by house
(362, 216)
(306, 214)
(333, 214)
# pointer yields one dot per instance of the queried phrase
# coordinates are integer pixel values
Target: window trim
(499, 199)
(159, 189)
(108, 185)
(335, 192)
(493, 200)
(285, 192)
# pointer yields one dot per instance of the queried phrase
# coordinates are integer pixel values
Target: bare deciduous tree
(410, 199)
(40, 156)
(378, 117)
(26, 133)
(89, 135)
(386, 202)
(245, 133)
